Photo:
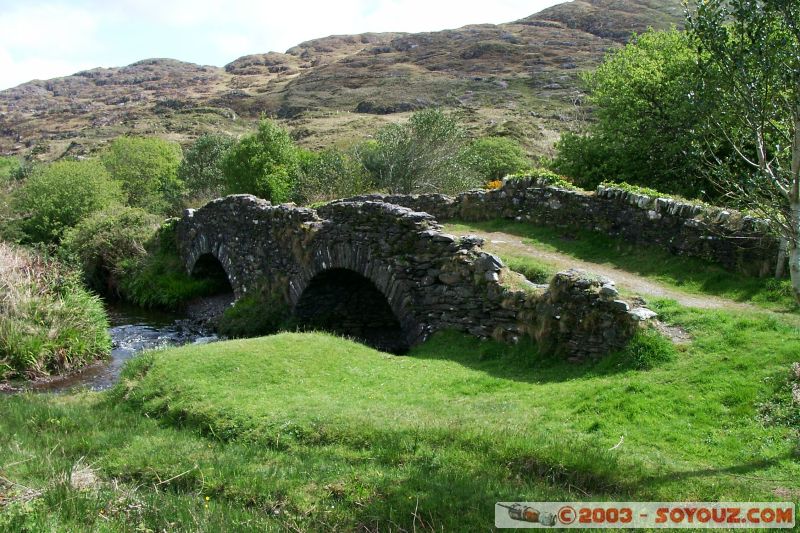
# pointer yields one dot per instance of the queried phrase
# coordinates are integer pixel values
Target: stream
(133, 330)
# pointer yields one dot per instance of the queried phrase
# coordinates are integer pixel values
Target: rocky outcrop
(431, 280)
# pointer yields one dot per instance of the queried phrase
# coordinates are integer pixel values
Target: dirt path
(505, 243)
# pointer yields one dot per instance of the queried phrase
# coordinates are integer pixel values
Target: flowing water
(133, 330)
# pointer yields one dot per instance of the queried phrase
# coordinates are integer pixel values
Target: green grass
(131, 254)
(647, 191)
(687, 274)
(49, 324)
(311, 432)
(534, 270)
(158, 278)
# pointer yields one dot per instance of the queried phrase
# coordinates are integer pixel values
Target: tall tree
(649, 111)
(265, 164)
(147, 167)
(201, 169)
(751, 51)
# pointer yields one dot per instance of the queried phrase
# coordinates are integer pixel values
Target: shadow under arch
(207, 267)
(343, 301)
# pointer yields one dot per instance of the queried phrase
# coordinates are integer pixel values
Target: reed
(49, 324)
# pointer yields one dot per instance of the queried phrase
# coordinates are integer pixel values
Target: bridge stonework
(734, 240)
(431, 280)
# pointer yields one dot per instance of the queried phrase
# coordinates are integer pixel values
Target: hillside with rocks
(519, 79)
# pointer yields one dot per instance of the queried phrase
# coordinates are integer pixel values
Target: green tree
(332, 174)
(147, 168)
(650, 111)
(58, 196)
(265, 164)
(493, 158)
(426, 154)
(201, 170)
(750, 55)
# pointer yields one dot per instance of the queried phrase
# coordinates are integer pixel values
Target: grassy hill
(518, 79)
(310, 432)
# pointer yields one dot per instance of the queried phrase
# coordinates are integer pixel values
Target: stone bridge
(375, 270)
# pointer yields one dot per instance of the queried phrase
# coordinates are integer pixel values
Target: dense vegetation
(147, 169)
(424, 155)
(651, 119)
(49, 323)
(712, 113)
(129, 253)
(56, 197)
(8, 168)
(430, 153)
(201, 167)
(104, 215)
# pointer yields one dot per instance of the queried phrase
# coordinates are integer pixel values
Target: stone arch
(204, 254)
(207, 266)
(345, 302)
(332, 264)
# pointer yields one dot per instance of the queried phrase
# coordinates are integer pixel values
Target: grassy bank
(685, 273)
(309, 432)
(132, 255)
(49, 323)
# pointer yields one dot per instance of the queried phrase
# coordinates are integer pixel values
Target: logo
(523, 513)
(652, 515)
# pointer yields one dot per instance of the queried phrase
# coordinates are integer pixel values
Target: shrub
(331, 174)
(201, 170)
(586, 159)
(9, 228)
(130, 254)
(426, 154)
(9, 166)
(493, 158)
(158, 278)
(58, 196)
(547, 177)
(48, 322)
(107, 242)
(253, 316)
(147, 168)
(265, 164)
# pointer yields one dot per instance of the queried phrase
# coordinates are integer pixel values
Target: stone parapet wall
(431, 280)
(735, 241)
